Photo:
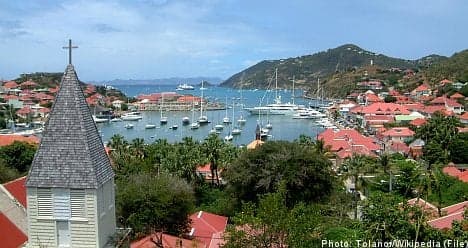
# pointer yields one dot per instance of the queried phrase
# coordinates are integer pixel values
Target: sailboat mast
(293, 96)
(201, 101)
(276, 84)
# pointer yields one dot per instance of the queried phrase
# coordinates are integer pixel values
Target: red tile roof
(348, 142)
(380, 108)
(445, 222)
(17, 188)
(464, 116)
(445, 81)
(11, 236)
(463, 177)
(205, 225)
(10, 85)
(455, 208)
(399, 132)
(373, 98)
(8, 139)
(418, 122)
(457, 96)
(423, 204)
(422, 87)
(452, 171)
(400, 147)
(168, 241)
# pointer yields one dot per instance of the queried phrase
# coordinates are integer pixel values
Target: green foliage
(7, 173)
(454, 68)
(147, 203)
(454, 191)
(18, 155)
(215, 200)
(307, 175)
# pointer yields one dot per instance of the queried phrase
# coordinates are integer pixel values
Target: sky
(147, 39)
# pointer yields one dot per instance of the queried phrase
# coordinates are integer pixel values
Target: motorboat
(129, 126)
(219, 127)
(236, 131)
(174, 127)
(185, 120)
(228, 137)
(185, 87)
(194, 125)
(99, 120)
(163, 120)
(132, 116)
(115, 120)
(150, 126)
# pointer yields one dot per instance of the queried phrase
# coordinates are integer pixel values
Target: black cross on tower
(69, 47)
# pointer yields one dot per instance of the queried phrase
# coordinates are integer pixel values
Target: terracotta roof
(373, 98)
(11, 236)
(380, 108)
(204, 168)
(400, 147)
(455, 208)
(168, 241)
(205, 225)
(446, 221)
(452, 171)
(348, 140)
(418, 122)
(422, 87)
(10, 85)
(8, 139)
(17, 189)
(457, 96)
(399, 132)
(463, 176)
(464, 116)
(423, 204)
(445, 81)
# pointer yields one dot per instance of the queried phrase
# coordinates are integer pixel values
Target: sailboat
(241, 120)
(236, 130)
(163, 119)
(185, 120)
(276, 108)
(226, 119)
(194, 124)
(202, 119)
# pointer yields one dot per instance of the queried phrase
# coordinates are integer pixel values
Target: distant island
(164, 81)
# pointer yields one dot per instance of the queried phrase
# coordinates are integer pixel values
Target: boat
(128, 126)
(162, 119)
(226, 119)
(185, 87)
(99, 120)
(185, 121)
(268, 125)
(228, 137)
(213, 131)
(308, 114)
(132, 116)
(276, 108)
(203, 119)
(236, 131)
(194, 125)
(174, 127)
(150, 126)
(219, 127)
(115, 120)
(241, 120)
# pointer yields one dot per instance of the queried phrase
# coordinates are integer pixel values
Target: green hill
(307, 69)
(454, 68)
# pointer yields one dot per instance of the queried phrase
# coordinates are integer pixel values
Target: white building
(70, 186)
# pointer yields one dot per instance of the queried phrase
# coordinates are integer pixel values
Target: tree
(18, 155)
(307, 175)
(146, 203)
(390, 98)
(215, 149)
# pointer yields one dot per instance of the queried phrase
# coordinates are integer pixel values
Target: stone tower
(70, 186)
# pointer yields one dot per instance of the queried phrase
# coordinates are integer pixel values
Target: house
(117, 104)
(450, 104)
(457, 96)
(8, 139)
(207, 231)
(372, 85)
(380, 108)
(158, 239)
(421, 90)
(416, 148)
(450, 214)
(445, 82)
(452, 170)
(418, 122)
(464, 118)
(10, 85)
(398, 134)
(13, 220)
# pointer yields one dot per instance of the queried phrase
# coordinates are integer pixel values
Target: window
(44, 202)
(61, 203)
(78, 203)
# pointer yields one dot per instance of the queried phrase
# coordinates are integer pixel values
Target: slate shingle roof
(71, 153)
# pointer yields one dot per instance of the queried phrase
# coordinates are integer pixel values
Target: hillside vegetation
(307, 69)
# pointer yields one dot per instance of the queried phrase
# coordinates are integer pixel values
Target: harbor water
(284, 127)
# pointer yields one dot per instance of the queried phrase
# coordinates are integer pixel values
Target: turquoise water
(284, 127)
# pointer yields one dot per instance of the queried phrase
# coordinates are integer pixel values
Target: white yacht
(150, 126)
(99, 120)
(219, 127)
(132, 116)
(129, 126)
(308, 114)
(185, 120)
(185, 87)
(276, 108)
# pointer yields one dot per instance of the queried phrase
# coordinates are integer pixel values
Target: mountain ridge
(308, 68)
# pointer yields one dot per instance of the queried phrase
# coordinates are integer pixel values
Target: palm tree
(384, 162)
(213, 147)
(138, 147)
